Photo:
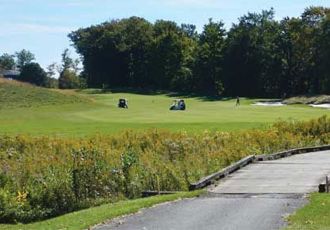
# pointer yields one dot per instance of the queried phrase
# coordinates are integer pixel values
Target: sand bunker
(269, 103)
(326, 106)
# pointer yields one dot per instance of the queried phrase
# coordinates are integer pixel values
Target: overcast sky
(41, 26)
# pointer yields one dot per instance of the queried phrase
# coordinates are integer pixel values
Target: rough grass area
(89, 217)
(66, 113)
(314, 216)
(43, 177)
(318, 99)
(15, 94)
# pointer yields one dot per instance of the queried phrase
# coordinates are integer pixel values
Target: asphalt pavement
(257, 197)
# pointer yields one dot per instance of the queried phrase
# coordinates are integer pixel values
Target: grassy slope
(54, 112)
(90, 217)
(314, 216)
(14, 94)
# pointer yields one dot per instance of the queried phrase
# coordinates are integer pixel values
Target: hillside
(14, 94)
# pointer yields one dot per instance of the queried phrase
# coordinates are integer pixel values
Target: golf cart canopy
(178, 104)
(123, 103)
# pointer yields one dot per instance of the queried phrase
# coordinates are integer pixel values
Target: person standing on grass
(237, 101)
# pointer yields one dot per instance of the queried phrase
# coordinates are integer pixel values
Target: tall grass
(41, 177)
(16, 94)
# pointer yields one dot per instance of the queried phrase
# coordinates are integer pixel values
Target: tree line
(257, 56)
(30, 71)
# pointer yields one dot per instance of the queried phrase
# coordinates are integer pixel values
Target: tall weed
(42, 177)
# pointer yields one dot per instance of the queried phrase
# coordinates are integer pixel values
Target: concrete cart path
(257, 197)
(300, 173)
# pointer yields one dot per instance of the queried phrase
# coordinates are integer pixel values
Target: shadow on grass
(198, 96)
(183, 95)
(140, 91)
(144, 91)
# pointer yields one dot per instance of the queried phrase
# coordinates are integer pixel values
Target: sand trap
(326, 106)
(269, 103)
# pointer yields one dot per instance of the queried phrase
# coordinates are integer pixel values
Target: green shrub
(68, 80)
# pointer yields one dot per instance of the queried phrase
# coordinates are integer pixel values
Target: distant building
(12, 74)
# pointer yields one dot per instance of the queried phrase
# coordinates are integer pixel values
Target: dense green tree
(184, 80)
(317, 23)
(249, 54)
(135, 48)
(87, 43)
(323, 61)
(302, 52)
(209, 62)
(297, 57)
(189, 30)
(23, 57)
(120, 53)
(34, 74)
(258, 56)
(313, 16)
(172, 54)
(7, 61)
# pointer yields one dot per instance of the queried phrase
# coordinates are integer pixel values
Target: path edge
(211, 179)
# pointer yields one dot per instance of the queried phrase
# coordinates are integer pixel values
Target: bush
(51, 83)
(68, 80)
(34, 74)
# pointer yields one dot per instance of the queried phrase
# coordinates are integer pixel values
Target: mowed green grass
(87, 218)
(98, 113)
(314, 216)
